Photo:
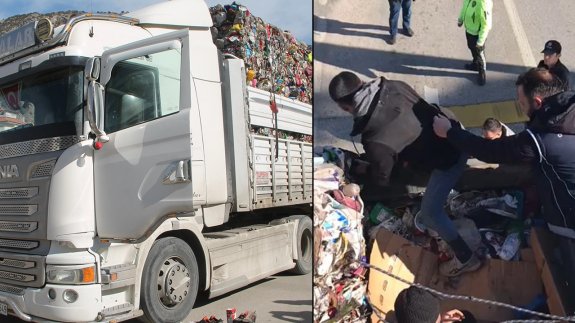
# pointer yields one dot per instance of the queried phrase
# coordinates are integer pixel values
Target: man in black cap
(551, 55)
(396, 127)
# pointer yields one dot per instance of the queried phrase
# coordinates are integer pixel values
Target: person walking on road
(548, 144)
(395, 124)
(476, 17)
(394, 7)
(550, 61)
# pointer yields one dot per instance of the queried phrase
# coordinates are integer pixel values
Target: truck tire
(304, 237)
(169, 282)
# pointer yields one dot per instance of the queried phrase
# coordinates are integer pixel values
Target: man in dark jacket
(548, 144)
(395, 124)
(550, 61)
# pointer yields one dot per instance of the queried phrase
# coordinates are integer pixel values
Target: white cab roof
(185, 13)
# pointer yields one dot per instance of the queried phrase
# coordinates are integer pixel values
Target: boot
(482, 78)
(454, 267)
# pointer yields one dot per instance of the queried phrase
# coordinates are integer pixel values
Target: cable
(470, 298)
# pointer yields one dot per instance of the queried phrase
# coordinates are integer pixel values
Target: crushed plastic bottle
(510, 246)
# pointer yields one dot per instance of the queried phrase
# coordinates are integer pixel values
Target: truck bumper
(36, 305)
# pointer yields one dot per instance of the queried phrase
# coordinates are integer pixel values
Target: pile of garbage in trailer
(340, 284)
(497, 223)
(275, 61)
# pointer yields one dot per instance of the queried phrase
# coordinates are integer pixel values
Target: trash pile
(231, 317)
(340, 282)
(494, 223)
(275, 61)
(491, 222)
(263, 131)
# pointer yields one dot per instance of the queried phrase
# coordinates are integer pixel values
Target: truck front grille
(22, 271)
(16, 276)
(18, 244)
(43, 170)
(8, 226)
(37, 146)
(18, 193)
(11, 289)
(19, 209)
(17, 263)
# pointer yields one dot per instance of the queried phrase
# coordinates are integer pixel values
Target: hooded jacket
(398, 129)
(548, 144)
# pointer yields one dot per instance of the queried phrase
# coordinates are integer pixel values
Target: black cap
(552, 47)
(344, 84)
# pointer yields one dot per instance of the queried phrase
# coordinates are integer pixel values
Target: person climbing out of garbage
(493, 129)
(415, 305)
(548, 143)
(396, 128)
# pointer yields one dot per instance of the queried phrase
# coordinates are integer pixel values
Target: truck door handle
(179, 172)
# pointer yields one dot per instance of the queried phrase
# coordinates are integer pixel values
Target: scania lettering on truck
(130, 179)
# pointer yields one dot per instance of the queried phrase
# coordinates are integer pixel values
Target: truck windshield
(48, 97)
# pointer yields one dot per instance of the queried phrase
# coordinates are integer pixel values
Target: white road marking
(520, 35)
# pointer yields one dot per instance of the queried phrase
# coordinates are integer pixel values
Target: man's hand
(459, 23)
(480, 47)
(441, 126)
(452, 316)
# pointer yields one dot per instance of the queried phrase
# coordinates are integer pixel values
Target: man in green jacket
(476, 17)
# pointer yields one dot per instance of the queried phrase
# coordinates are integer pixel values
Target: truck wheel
(169, 281)
(304, 246)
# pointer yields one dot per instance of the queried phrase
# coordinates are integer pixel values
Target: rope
(473, 299)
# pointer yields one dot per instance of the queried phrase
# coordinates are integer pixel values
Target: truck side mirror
(95, 101)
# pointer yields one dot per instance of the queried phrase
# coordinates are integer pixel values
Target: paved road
(355, 37)
(280, 298)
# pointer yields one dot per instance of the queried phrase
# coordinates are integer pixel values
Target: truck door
(143, 173)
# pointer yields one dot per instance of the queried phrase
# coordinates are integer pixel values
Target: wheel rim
(305, 244)
(173, 282)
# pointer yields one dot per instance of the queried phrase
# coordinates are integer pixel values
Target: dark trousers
(478, 55)
(394, 7)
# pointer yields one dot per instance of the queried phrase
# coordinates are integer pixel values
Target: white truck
(131, 180)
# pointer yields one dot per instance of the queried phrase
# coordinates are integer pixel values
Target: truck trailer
(130, 178)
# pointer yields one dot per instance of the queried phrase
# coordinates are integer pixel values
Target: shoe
(454, 267)
(408, 32)
(422, 228)
(471, 67)
(482, 79)
(393, 40)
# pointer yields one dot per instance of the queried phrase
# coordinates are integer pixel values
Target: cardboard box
(542, 242)
(515, 283)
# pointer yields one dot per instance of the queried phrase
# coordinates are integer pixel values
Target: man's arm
(485, 20)
(514, 149)
(381, 159)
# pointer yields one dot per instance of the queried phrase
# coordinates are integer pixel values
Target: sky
(294, 15)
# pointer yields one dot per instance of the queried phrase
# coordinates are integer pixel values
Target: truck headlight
(80, 274)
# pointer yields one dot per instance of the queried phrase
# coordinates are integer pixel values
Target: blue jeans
(440, 184)
(394, 7)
